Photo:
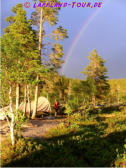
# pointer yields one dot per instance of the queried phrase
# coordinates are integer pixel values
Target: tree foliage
(96, 73)
(51, 50)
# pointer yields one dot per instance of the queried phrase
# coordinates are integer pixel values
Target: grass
(99, 140)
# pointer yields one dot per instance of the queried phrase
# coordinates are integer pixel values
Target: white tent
(43, 106)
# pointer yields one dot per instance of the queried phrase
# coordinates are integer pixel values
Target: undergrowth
(99, 140)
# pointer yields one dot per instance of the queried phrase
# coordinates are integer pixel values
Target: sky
(103, 29)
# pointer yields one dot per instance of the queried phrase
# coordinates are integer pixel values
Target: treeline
(78, 92)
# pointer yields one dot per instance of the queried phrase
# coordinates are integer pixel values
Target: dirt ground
(34, 128)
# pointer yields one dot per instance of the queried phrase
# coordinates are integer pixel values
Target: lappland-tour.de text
(65, 4)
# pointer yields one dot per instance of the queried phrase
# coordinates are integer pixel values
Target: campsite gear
(43, 106)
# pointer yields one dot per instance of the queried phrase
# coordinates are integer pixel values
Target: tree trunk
(83, 101)
(17, 96)
(68, 120)
(60, 94)
(77, 100)
(69, 89)
(12, 117)
(25, 97)
(29, 103)
(12, 130)
(40, 31)
(40, 47)
(36, 101)
(94, 101)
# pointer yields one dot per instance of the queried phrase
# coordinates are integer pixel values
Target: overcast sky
(106, 32)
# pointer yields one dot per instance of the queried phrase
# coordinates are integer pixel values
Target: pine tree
(51, 60)
(61, 86)
(96, 77)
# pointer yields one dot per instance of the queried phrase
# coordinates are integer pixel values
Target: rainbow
(77, 38)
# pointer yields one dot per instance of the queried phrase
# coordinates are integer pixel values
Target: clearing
(33, 128)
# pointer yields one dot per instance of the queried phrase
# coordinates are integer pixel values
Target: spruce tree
(96, 73)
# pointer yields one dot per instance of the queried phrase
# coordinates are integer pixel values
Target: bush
(20, 119)
(121, 158)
